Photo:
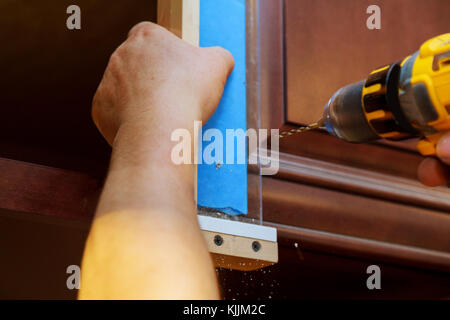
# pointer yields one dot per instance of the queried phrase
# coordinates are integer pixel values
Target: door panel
(328, 45)
(324, 184)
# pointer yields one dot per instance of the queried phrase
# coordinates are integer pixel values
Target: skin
(145, 241)
(433, 172)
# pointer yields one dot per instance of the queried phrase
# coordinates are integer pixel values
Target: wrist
(148, 136)
(142, 156)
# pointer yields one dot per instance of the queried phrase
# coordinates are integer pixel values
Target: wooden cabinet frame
(182, 17)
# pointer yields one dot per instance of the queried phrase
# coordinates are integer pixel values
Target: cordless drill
(410, 98)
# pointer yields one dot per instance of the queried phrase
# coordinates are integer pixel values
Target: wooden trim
(237, 252)
(371, 157)
(332, 211)
(34, 192)
(270, 49)
(253, 65)
(39, 192)
(303, 238)
(237, 238)
(254, 194)
(237, 228)
(358, 181)
(191, 21)
(32, 188)
(170, 15)
(380, 170)
(182, 17)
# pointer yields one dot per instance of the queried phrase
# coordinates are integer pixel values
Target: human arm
(145, 242)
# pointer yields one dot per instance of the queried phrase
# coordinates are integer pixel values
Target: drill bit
(313, 126)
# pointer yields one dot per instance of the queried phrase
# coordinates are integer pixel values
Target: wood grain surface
(328, 45)
(50, 75)
(39, 191)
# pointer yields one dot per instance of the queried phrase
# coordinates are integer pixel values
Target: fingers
(443, 148)
(433, 173)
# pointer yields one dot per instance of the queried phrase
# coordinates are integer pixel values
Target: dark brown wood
(342, 50)
(309, 274)
(30, 190)
(35, 253)
(253, 103)
(271, 63)
(342, 213)
(303, 48)
(328, 45)
(361, 248)
(353, 180)
(371, 157)
(50, 75)
(378, 157)
(36, 265)
(339, 228)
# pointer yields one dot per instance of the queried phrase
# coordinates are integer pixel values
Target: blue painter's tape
(224, 186)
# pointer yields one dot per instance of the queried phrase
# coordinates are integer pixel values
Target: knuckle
(114, 58)
(115, 63)
(145, 29)
(95, 109)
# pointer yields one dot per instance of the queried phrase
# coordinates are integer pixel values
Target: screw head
(218, 240)
(256, 246)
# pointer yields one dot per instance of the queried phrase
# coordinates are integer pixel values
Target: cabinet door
(308, 49)
(328, 45)
(311, 48)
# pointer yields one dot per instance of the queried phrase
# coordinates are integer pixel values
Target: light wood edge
(237, 253)
(182, 17)
(191, 22)
(170, 15)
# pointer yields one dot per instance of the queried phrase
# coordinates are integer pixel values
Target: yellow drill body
(397, 101)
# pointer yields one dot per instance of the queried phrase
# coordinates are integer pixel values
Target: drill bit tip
(313, 126)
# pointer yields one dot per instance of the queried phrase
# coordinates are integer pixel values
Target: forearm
(145, 241)
(145, 229)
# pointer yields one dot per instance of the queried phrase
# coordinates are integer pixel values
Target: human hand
(433, 172)
(156, 81)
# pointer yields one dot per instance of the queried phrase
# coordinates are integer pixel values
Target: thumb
(443, 148)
